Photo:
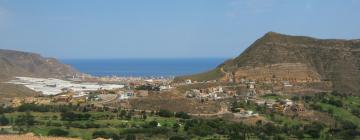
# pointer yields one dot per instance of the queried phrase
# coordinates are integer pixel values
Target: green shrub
(165, 113)
(3, 120)
(176, 138)
(182, 115)
(58, 132)
(104, 134)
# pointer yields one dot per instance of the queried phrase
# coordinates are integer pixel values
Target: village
(118, 91)
(274, 99)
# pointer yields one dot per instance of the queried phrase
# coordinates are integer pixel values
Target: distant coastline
(141, 67)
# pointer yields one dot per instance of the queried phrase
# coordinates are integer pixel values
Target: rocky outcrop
(292, 72)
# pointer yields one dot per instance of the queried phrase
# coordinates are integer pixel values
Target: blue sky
(166, 28)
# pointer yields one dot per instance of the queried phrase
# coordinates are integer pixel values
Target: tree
(122, 114)
(58, 132)
(269, 129)
(130, 137)
(201, 130)
(237, 131)
(68, 116)
(355, 111)
(4, 109)
(336, 93)
(176, 138)
(128, 116)
(99, 134)
(104, 134)
(26, 119)
(71, 116)
(165, 113)
(299, 134)
(54, 117)
(335, 102)
(153, 124)
(182, 115)
(348, 125)
(295, 98)
(4, 120)
(278, 137)
(152, 113)
(176, 127)
(143, 115)
(314, 129)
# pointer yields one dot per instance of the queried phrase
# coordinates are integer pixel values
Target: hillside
(16, 63)
(296, 59)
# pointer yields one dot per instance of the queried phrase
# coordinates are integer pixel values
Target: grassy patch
(340, 113)
(105, 123)
(280, 119)
(353, 102)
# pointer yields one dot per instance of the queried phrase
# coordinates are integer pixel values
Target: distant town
(117, 91)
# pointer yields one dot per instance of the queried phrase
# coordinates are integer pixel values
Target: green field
(342, 112)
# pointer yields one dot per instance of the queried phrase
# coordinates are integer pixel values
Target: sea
(144, 67)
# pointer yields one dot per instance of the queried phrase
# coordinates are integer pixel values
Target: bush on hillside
(58, 132)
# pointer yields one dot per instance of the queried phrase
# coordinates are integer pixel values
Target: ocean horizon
(141, 67)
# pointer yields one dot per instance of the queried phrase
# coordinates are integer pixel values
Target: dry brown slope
(16, 63)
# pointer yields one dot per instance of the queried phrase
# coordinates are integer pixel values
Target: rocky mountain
(16, 63)
(298, 59)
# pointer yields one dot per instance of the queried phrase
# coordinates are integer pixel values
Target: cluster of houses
(221, 92)
(287, 106)
(213, 93)
(189, 82)
(281, 105)
(128, 94)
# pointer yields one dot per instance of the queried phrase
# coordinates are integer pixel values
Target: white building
(126, 95)
(163, 87)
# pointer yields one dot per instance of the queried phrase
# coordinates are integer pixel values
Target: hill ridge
(297, 59)
(18, 63)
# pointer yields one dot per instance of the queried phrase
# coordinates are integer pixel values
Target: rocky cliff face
(298, 59)
(16, 63)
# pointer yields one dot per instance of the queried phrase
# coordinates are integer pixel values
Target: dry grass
(174, 101)
(8, 91)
